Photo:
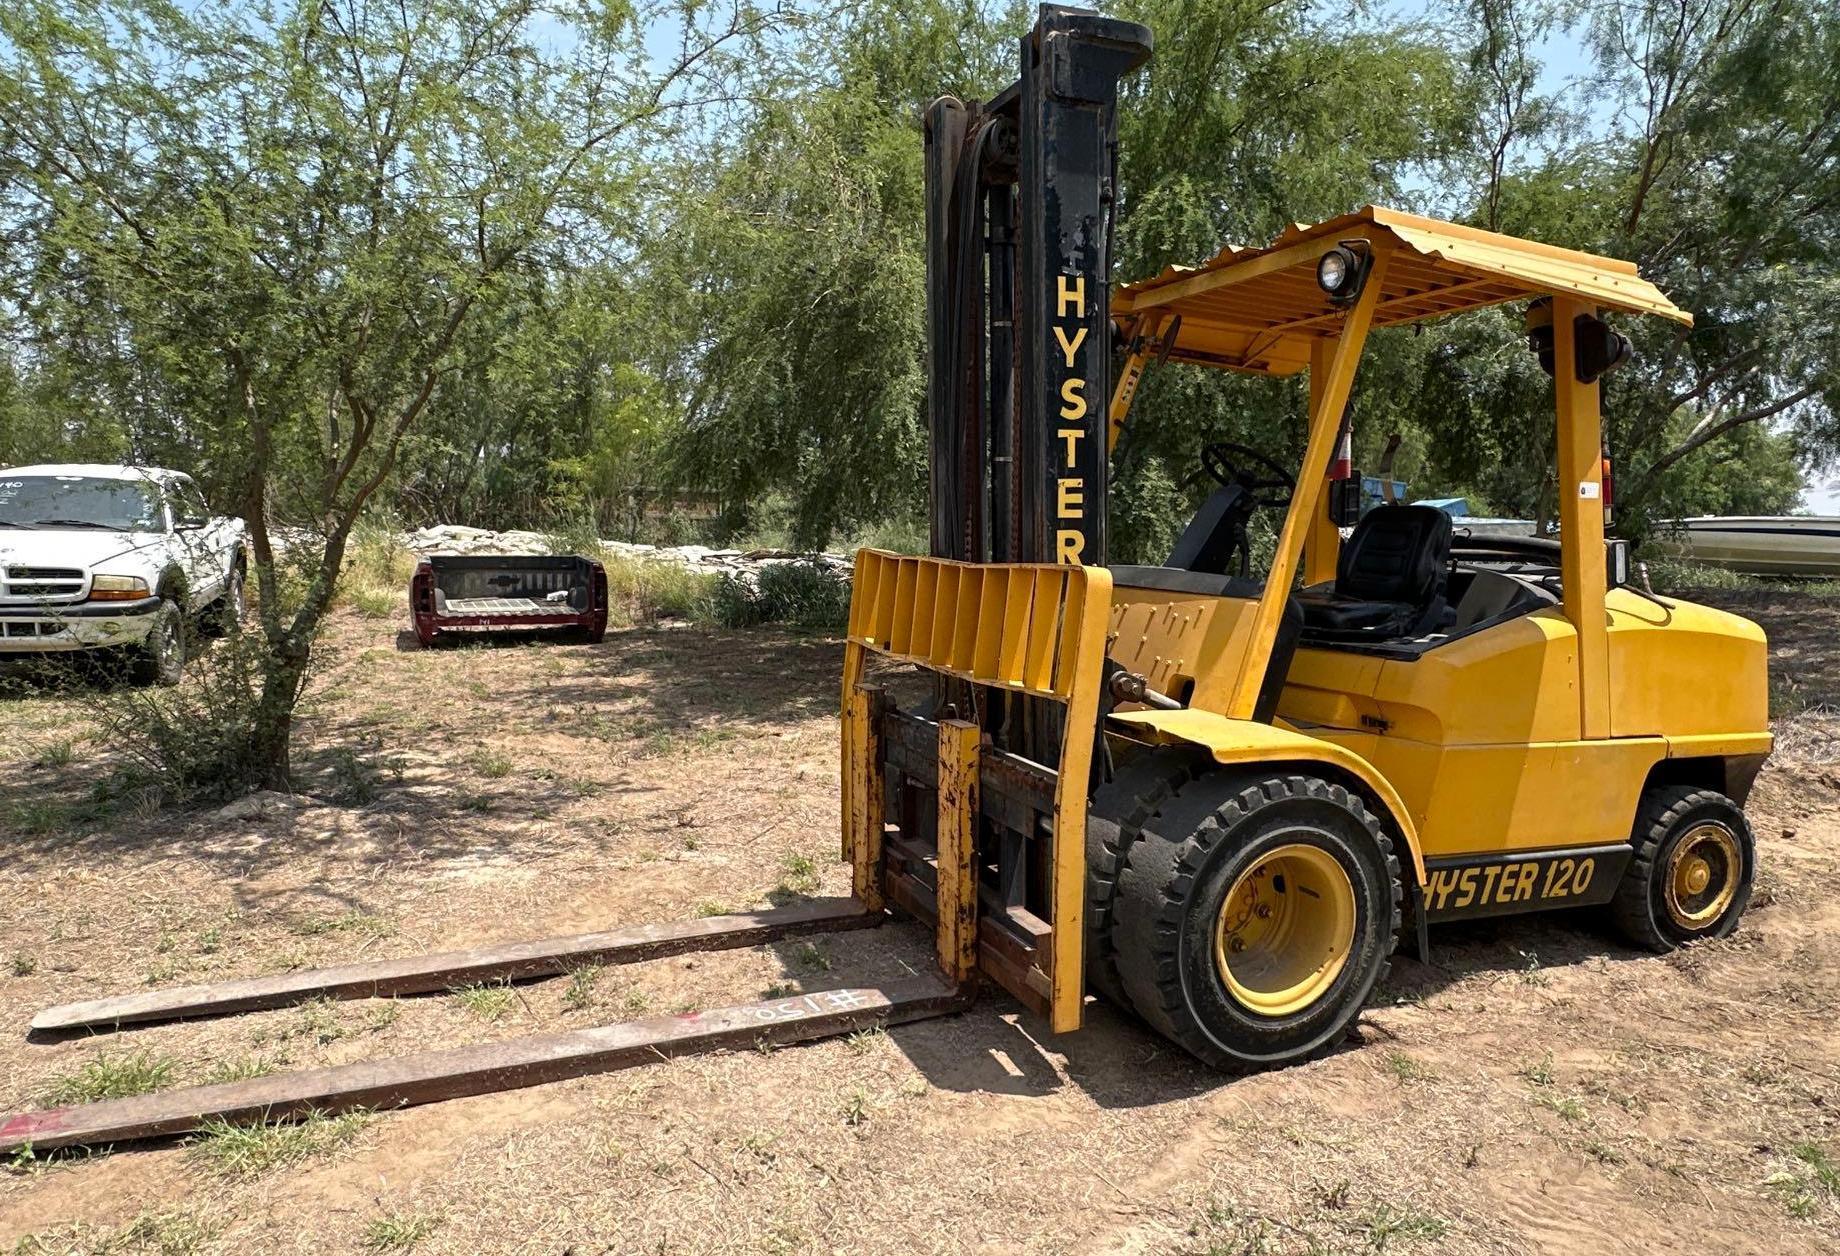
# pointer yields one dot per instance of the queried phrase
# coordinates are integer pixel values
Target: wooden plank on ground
(420, 974)
(491, 1067)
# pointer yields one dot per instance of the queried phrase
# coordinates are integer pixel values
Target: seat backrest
(1206, 544)
(1397, 554)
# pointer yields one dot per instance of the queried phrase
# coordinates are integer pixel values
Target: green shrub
(642, 589)
(806, 595)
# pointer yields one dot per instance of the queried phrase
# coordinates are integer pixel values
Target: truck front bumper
(80, 626)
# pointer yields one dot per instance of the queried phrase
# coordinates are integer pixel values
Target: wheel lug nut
(1236, 945)
(1264, 910)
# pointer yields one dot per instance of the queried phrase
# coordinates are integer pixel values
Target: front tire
(1255, 915)
(160, 658)
(1695, 863)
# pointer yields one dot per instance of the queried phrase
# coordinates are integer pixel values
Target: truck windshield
(60, 501)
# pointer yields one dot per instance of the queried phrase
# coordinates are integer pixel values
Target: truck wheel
(1114, 821)
(1691, 877)
(160, 659)
(1255, 916)
(230, 608)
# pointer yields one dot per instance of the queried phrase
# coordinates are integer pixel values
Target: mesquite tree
(269, 230)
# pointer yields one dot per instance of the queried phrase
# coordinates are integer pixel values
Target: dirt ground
(1539, 1089)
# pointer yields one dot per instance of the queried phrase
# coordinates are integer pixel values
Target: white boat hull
(1764, 545)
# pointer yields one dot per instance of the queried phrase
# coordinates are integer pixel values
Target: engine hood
(75, 547)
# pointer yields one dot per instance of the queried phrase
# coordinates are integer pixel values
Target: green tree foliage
(275, 235)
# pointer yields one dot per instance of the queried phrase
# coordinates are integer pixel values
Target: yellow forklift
(1216, 798)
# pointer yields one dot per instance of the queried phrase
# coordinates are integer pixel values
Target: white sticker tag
(1589, 490)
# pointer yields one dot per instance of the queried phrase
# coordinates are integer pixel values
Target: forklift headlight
(1340, 271)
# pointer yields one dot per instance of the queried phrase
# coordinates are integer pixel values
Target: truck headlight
(117, 588)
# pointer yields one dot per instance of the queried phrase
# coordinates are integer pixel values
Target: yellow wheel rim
(1285, 930)
(1701, 876)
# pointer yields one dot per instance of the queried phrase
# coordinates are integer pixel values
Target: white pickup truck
(114, 558)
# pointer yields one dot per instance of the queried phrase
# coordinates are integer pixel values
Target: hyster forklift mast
(1019, 197)
(1024, 176)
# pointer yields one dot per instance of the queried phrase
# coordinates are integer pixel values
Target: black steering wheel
(1226, 461)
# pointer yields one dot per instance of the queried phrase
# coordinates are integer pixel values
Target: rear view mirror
(1345, 502)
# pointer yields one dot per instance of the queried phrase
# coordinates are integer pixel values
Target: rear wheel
(1692, 874)
(224, 617)
(1255, 916)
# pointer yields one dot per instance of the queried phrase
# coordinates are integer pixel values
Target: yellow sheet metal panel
(1233, 741)
(1654, 650)
(1513, 683)
(1258, 309)
(1012, 656)
(1172, 639)
(1015, 625)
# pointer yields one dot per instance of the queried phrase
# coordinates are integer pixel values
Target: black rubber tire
(226, 614)
(1170, 890)
(1114, 819)
(1666, 815)
(151, 663)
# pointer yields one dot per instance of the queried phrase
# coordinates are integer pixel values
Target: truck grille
(41, 584)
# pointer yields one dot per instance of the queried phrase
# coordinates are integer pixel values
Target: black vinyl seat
(1390, 578)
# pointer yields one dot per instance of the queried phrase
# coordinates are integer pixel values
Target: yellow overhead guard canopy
(1258, 310)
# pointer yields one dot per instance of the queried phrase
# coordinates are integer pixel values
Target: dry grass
(1445, 1130)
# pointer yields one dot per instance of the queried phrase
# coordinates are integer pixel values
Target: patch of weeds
(801, 874)
(692, 842)
(580, 991)
(491, 765)
(397, 1232)
(150, 1234)
(210, 941)
(1568, 1107)
(1406, 1069)
(24, 965)
(381, 1015)
(57, 754)
(244, 1151)
(1540, 1073)
(864, 1041)
(811, 957)
(1603, 1152)
(709, 908)
(779, 990)
(372, 601)
(353, 921)
(487, 1002)
(112, 1077)
(1531, 973)
(318, 1020)
(240, 1069)
(636, 1002)
(855, 1108)
(1809, 1180)
(357, 779)
(476, 803)
(1385, 1223)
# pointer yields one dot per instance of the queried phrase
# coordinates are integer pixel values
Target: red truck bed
(451, 596)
